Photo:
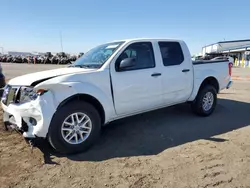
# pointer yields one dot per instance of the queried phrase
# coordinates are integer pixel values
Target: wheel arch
(87, 98)
(200, 84)
(210, 81)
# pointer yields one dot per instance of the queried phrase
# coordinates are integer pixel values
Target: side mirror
(126, 63)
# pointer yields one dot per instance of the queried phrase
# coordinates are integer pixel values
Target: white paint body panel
(177, 86)
(28, 79)
(216, 70)
(133, 91)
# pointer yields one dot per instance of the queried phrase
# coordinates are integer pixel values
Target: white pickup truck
(68, 106)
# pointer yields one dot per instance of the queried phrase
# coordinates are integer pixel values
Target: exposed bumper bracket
(11, 125)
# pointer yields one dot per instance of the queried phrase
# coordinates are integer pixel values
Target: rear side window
(171, 53)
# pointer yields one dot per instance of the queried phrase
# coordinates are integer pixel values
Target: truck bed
(212, 68)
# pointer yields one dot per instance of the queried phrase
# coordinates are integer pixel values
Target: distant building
(238, 49)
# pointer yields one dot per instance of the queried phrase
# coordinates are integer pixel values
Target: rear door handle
(185, 70)
(156, 74)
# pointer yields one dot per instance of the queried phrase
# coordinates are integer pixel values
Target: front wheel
(74, 127)
(205, 101)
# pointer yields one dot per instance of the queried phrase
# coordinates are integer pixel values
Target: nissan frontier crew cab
(68, 106)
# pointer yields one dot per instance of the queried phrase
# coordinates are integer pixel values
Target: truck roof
(151, 39)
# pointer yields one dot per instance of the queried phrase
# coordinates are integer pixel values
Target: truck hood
(28, 79)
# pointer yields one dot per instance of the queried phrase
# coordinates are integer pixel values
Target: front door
(137, 88)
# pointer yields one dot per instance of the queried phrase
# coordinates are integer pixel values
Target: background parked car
(2, 81)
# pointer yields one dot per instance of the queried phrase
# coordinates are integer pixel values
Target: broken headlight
(28, 94)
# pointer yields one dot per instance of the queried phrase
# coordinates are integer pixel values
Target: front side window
(97, 56)
(143, 54)
(171, 53)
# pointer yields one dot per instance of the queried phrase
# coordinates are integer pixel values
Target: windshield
(97, 56)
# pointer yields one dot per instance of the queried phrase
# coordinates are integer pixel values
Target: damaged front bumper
(32, 118)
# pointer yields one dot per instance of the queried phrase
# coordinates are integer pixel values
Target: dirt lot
(165, 148)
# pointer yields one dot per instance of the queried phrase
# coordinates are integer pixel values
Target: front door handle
(185, 70)
(156, 74)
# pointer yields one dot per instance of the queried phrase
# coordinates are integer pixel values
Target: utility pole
(61, 41)
(2, 49)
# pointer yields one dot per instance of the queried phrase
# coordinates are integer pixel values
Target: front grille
(10, 94)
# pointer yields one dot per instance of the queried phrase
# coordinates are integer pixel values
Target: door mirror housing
(126, 63)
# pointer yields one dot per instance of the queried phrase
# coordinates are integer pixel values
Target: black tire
(55, 137)
(197, 106)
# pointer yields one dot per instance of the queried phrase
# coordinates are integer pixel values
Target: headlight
(6, 91)
(28, 94)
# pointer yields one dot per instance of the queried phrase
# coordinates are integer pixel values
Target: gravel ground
(165, 148)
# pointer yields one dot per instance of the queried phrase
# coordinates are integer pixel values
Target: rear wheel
(74, 128)
(205, 101)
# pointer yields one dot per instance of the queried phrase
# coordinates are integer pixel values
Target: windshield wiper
(81, 66)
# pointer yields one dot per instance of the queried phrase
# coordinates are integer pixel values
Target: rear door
(177, 73)
(137, 88)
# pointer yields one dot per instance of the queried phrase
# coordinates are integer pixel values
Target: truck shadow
(153, 132)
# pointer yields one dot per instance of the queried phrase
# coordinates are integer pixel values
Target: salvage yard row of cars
(47, 58)
(68, 106)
